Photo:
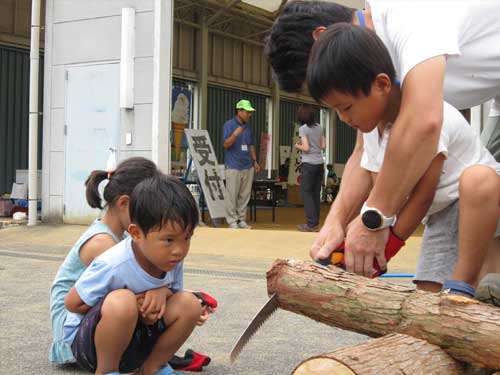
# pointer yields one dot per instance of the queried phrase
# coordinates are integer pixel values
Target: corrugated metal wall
(238, 61)
(288, 117)
(231, 61)
(221, 104)
(346, 139)
(184, 47)
(14, 114)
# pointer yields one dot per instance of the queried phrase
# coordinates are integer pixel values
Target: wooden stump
(466, 329)
(391, 354)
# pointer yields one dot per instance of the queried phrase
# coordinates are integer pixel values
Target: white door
(92, 115)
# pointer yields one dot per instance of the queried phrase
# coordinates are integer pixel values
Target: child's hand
(205, 312)
(149, 319)
(153, 302)
(208, 306)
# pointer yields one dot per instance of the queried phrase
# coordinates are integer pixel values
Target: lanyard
(361, 19)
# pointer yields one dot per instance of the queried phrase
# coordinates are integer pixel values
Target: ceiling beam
(221, 11)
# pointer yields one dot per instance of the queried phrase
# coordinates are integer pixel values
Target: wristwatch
(373, 219)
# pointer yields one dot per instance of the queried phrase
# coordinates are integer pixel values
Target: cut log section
(466, 329)
(391, 354)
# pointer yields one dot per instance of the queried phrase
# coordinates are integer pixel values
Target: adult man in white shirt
(441, 50)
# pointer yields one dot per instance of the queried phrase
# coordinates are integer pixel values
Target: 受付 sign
(207, 167)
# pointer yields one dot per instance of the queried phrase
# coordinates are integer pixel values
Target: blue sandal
(167, 370)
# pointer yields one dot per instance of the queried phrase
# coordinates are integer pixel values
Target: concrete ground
(230, 264)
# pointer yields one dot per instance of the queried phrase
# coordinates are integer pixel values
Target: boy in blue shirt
(105, 327)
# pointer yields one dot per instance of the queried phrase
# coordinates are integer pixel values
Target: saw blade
(265, 312)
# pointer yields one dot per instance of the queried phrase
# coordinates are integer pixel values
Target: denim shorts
(141, 344)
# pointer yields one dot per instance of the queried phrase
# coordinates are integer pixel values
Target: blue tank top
(69, 272)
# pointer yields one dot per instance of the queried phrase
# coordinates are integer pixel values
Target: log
(391, 354)
(466, 329)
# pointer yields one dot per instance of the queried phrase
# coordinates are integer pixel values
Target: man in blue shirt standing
(240, 161)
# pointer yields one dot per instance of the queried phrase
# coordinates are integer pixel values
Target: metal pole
(33, 115)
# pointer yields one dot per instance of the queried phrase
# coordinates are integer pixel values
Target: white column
(270, 131)
(274, 118)
(327, 126)
(203, 74)
(33, 115)
(162, 83)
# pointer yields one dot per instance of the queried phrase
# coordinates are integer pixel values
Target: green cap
(246, 105)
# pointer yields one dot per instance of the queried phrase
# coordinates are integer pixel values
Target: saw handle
(394, 244)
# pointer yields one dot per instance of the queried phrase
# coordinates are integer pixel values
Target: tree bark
(466, 329)
(391, 354)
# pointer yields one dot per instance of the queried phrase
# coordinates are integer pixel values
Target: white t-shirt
(458, 143)
(466, 31)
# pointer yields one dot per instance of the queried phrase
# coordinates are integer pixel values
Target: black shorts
(141, 344)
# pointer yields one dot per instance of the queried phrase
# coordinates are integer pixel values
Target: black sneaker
(488, 290)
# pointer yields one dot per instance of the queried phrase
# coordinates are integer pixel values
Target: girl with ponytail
(108, 191)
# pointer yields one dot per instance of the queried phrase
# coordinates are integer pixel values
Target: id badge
(244, 147)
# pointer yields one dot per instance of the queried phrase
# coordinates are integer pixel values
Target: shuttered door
(288, 118)
(221, 107)
(346, 139)
(14, 114)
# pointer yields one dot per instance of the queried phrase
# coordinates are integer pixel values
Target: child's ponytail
(92, 188)
(121, 182)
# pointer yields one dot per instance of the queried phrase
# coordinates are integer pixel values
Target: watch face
(371, 219)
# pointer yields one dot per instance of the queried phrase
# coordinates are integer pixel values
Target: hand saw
(265, 312)
(336, 258)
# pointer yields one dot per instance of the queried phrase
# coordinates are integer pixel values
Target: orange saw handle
(336, 258)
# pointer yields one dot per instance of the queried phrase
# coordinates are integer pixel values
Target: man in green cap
(241, 162)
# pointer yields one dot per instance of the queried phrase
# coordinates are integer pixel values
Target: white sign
(295, 171)
(205, 161)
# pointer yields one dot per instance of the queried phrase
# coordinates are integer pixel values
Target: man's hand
(256, 166)
(329, 238)
(238, 131)
(362, 246)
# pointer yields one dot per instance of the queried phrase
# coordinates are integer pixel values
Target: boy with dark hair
(105, 327)
(350, 69)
